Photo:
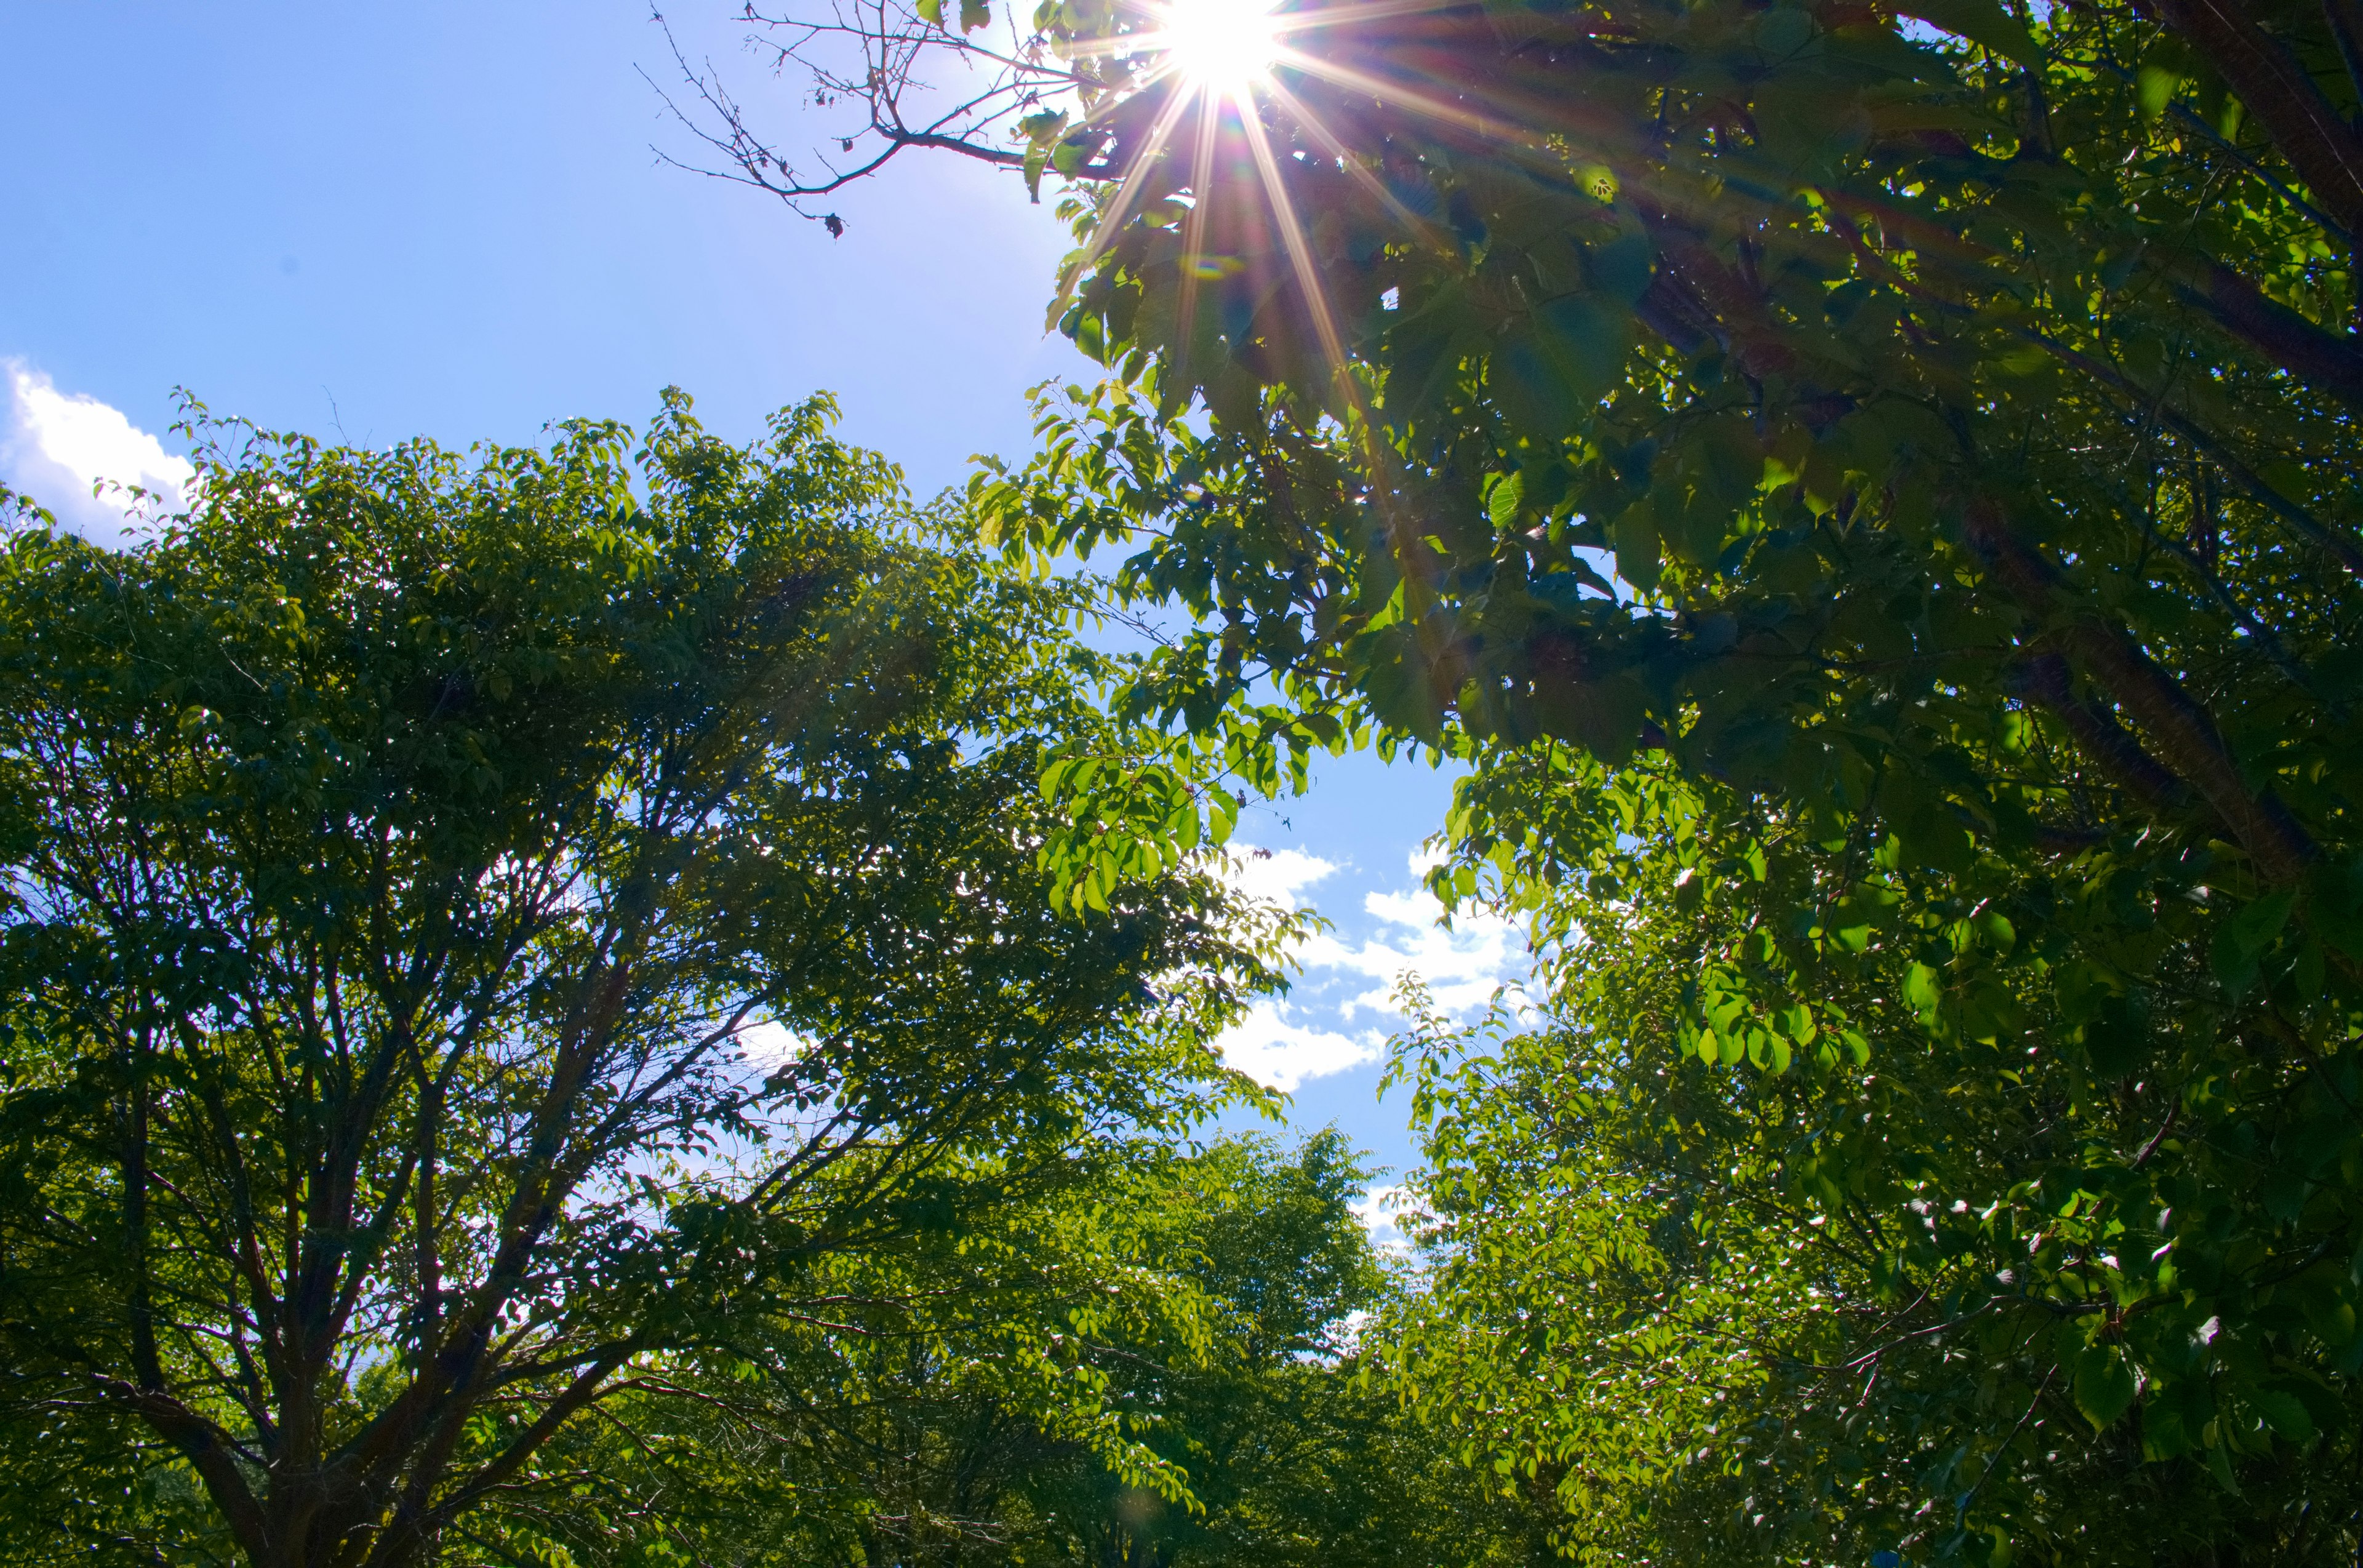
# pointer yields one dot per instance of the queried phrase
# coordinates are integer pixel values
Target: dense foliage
(1207, 1297)
(1869, 494)
(2008, 1235)
(1872, 497)
(475, 928)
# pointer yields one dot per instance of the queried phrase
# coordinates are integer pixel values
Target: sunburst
(1225, 46)
(1222, 62)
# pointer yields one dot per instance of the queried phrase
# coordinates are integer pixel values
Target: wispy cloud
(60, 447)
(1460, 967)
(1271, 1046)
(1277, 875)
(1377, 1209)
(1338, 1015)
(771, 1044)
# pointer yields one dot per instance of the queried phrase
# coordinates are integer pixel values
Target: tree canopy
(1211, 1295)
(1870, 494)
(477, 926)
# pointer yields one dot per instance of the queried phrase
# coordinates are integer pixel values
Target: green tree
(891, 1409)
(401, 848)
(1208, 1298)
(1902, 471)
(1292, 1456)
(1975, 1247)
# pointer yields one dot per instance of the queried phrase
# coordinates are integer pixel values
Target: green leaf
(1503, 492)
(2219, 1463)
(2244, 938)
(1622, 268)
(1603, 717)
(1635, 538)
(1981, 22)
(1225, 807)
(1585, 341)
(2285, 1414)
(2104, 1384)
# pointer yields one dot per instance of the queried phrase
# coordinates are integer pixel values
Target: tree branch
(2280, 93)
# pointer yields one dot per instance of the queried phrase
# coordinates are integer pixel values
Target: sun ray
(1221, 57)
(1228, 57)
(1286, 22)
(1395, 92)
(1330, 144)
(1194, 233)
(1362, 426)
(1143, 163)
(1225, 44)
(1300, 247)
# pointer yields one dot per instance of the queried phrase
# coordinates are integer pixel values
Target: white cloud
(1276, 876)
(1461, 967)
(1312, 1034)
(770, 1044)
(56, 446)
(1278, 1053)
(1377, 1209)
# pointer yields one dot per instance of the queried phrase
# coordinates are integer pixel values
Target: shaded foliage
(1872, 498)
(1208, 1297)
(1981, 1242)
(471, 926)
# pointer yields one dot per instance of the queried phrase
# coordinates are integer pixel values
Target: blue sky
(373, 221)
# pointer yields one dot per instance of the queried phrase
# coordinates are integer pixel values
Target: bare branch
(879, 60)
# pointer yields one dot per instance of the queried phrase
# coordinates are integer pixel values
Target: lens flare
(1223, 44)
(1228, 58)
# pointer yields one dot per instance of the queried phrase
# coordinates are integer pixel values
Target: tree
(1208, 1298)
(1899, 467)
(401, 850)
(1291, 1455)
(1965, 1251)
(890, 1410)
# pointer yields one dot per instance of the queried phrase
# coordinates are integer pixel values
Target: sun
(1220, 44)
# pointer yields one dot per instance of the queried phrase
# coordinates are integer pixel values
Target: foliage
(1942, 1228)
(1900, 472)
(1292, 1456)
(1205, 1295)
(885, 1411)
(401, 849)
